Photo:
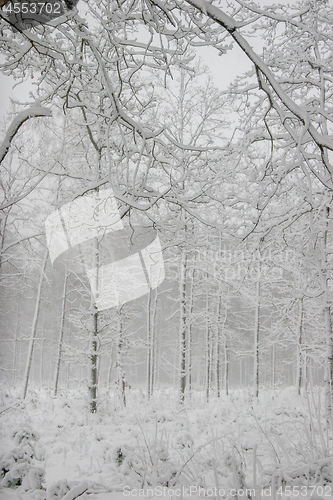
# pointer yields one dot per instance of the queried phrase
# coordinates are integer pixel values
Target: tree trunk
(61, 334)
(34, 327)
(183, 346)
(256, 340)
(17, 328)
(149, 345)
(94, 333)
(212, 359)
(273, 368)
(226, 367)
(218, 367)
(326, 274)
(328, 360)
(154, 346)
(328, 325)
(41, 373)
(151, 340)
(111, 365)
(208, 342)
(218, 347)
(189, 319)
(121, 381)
(67, 375)
(93, 360)
(299, 348)
(2, 235)
(158, 359)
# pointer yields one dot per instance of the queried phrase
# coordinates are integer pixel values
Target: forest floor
(277, 446)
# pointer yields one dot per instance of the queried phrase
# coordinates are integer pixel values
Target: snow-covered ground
(278, 445)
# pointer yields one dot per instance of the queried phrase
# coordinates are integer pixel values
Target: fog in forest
(166, 249)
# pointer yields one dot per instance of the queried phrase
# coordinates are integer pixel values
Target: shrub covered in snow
(33, 479)
(148, 465)
(318, 472)
(18, 466)
(25, 436)
(65, 490)
(276, 444)
(58, 490)
(15, 475)
(11, 459)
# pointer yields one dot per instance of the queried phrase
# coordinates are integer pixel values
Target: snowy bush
(11, 459)
(58, 490)
(119, 454)
(315, 473)
(276, 444)
(144, 464)
(65, 490)
(15, 475)
(128, 461)
(23, 436)
(33, 479)
(17, 466)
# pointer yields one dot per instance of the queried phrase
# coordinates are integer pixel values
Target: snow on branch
(227, 22)
(23, 116)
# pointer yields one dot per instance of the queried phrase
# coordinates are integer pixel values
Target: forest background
(236, 181)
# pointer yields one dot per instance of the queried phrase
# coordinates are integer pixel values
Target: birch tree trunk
(41, 359)
(189, 328)
(212, 358)
(226, 367)
(34, 326)
(94, 334)
(273, 368)
(327, 298)
(17, 328)
(121, 381)
(328, 360)
(299, 376)
(182, 326)
(328, 328)
(61, 334)
(208, 342)
(256, 339)
(218, 347)
(151, 340)
(111, 365)
(218, 366)
(2, 233)
(327, 320)
(154, 346)
(149, 345)
(93, 360)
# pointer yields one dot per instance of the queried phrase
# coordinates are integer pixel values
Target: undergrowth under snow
(53, 448)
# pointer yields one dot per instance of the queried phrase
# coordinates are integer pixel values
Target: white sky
(224, 69)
